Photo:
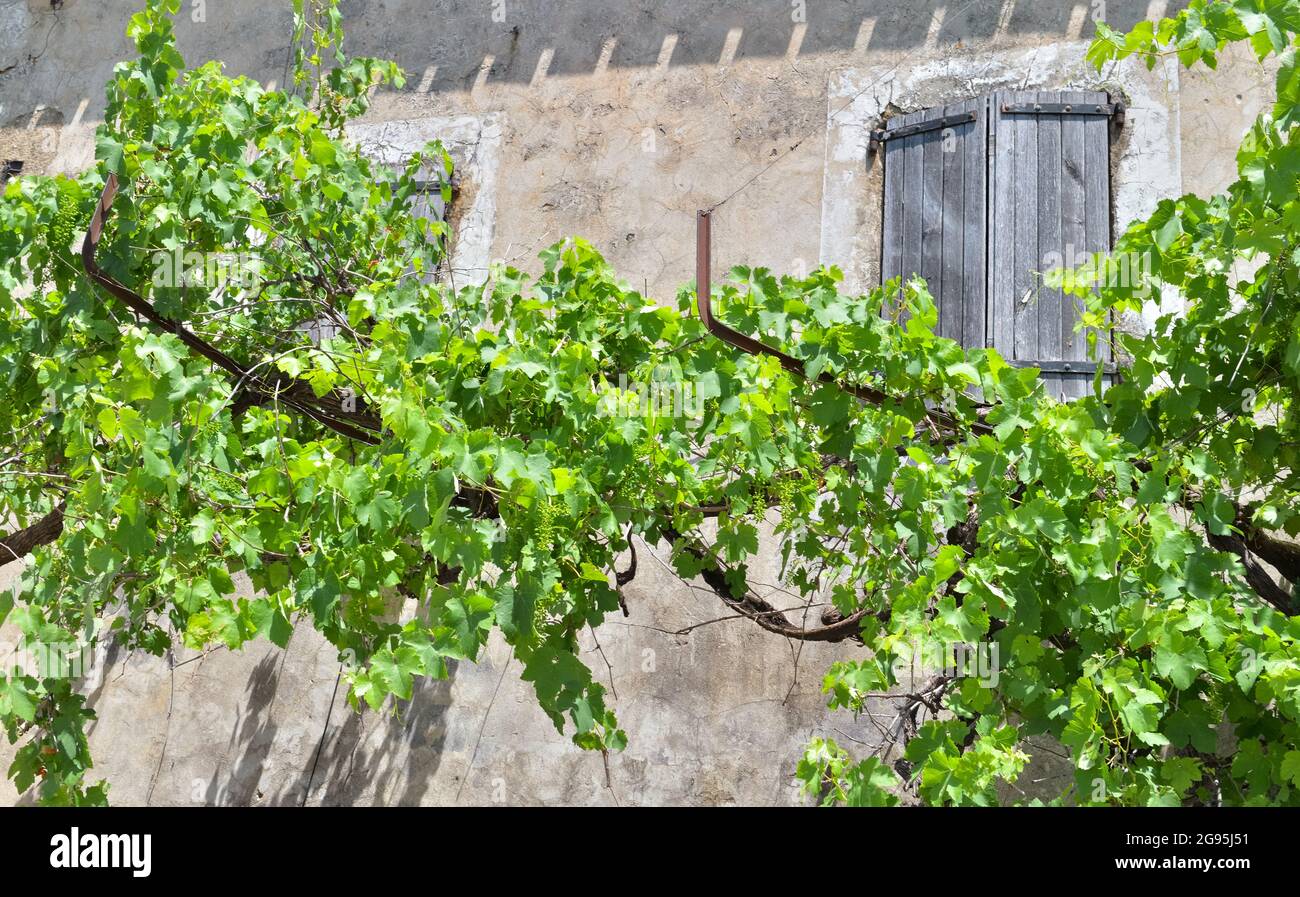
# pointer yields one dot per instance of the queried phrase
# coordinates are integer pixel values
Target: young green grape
(783, 490)
(63, 228)
(544, 535)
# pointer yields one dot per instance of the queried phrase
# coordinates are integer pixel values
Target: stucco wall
(614, 121)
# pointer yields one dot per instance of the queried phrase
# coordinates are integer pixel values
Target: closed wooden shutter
(984, 196)
(934, 221)
(1050, 204)
(429, 204)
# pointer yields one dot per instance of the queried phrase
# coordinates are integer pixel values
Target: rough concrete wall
(617, 121)
(715, 716)
(1218, 108)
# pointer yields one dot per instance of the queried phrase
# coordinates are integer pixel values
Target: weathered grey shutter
(1049, 184)
(934, 220)
(981, 198)
(429, 204)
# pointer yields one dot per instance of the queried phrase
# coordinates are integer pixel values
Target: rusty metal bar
(703, 266)
(1065, 367)
(751, 346)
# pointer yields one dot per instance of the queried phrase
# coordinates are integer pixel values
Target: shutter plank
(891, 219)
(953, 294)
(975, 176)
(1049, 238)
(1074, 228)
(1096, 238)
(914, 160)
(1025, 212)
(1002, 232)
(1097, 195)
(932, 182)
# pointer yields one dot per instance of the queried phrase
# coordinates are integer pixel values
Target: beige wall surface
(614, 121)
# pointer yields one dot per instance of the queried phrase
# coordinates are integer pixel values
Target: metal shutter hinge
(1065, 367)
(880, 135)
(1059, 108)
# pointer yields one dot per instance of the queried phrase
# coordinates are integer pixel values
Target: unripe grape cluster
(64, 226)
(784, 490)
(547, 514)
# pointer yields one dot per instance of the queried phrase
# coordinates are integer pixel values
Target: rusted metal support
(751, 346)
(703, 267)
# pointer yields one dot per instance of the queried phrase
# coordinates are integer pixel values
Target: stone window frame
(1146, 163)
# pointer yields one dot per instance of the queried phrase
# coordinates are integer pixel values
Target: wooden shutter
(1026, 179)
(1049, 184)
(429, 204)
(934, 220)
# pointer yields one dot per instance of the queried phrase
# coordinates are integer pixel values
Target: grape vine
(1128, 558)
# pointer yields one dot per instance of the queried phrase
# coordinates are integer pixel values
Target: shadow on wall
(457, 45)
(389, 758)
(252, 738)
(269, 753)
(516, 41)
(376, 758)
